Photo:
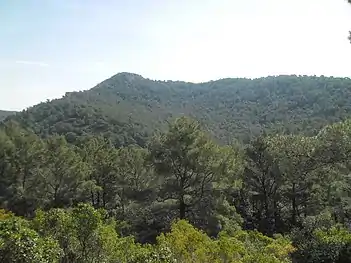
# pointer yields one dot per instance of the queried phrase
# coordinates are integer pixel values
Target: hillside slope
(4, 114)
(129, 108)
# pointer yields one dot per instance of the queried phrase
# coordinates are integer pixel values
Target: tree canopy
(5, 114)
(181, 198)
(128, 108)
(135, 170)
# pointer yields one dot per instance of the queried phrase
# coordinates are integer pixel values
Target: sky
(49, 47)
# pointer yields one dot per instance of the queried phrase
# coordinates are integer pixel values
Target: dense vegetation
(5, 114)
(181, 198)
(82, 181)
(128, 108)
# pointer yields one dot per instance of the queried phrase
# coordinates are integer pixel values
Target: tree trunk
(294, 205)
(182, 207)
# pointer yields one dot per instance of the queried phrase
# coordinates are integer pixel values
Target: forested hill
(185, 197)
(4, 114)
(128, 107)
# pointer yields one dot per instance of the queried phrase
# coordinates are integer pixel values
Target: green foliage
(192, 170)
(262, 179)
(321, 240)
(39, 173)
(184, 158)
(82, 234)
(20, 244)
(5, 114)
(128, 108)
(301, 182)
(98, 202)
(187, 244)
(21, 162)
(65, 175)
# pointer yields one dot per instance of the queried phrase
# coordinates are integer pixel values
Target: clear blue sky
(48, 47)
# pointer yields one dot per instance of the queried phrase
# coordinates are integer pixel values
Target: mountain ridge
(129, 108)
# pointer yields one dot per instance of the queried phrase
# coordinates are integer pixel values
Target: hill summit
(129, 108)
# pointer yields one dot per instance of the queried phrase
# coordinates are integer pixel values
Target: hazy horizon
(52, 47)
